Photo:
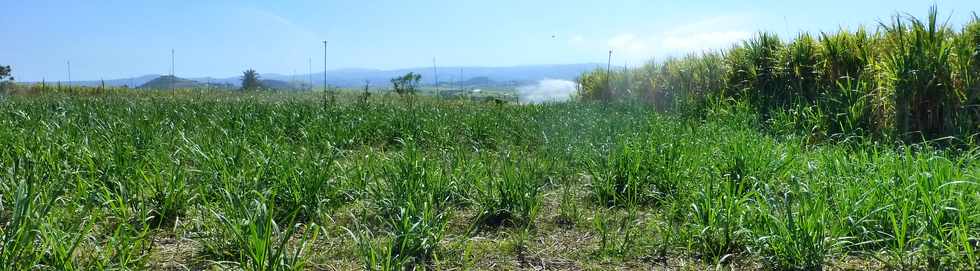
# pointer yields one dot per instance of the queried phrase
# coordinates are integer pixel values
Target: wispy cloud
(271, 20)
(706, 34)
(632, 46)
(710, 33)
(712, 24)
(695, 42)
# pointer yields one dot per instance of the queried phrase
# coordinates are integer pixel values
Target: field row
(295, 181)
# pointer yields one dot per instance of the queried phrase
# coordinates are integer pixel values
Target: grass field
(196, 180)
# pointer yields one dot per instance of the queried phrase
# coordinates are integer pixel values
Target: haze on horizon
(119, 39)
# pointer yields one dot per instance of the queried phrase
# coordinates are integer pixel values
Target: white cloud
(700, 41)
(706, 34)
(631, 46)
(623, 41)
(285, 26)
(712, 24)
(710, 33)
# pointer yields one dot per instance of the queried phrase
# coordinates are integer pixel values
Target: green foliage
(798, 237)
(21, 227)
(593, 87)
(5, 73)
(639, 171)
(917, 70)
(510, 197)
(145, 180)
(802, 69)
(411, 199)
(406, 84)
(250, 80)
(248, 228)
(757, 73)
(6, 79)
(967, 76)
(912, 80)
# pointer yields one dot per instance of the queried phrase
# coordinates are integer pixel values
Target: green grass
(131, 180)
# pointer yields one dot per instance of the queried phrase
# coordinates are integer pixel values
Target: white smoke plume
(547, 90)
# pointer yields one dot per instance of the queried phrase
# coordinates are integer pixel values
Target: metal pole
(309, 61)
(609, 75)
(435, 76)
(324, 65)
(69, 75)
(173, 77)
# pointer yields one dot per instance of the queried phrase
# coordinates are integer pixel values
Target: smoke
(547, 90)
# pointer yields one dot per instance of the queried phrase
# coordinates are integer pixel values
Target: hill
(284, 85)
(168, 81)
(164, 82)
(474, 76)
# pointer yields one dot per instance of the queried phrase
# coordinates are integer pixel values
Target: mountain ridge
(356, 77)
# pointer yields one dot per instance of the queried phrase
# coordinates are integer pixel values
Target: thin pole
(609, 74)
(310, 71)
(435, 76)
(69, 75)
(786, 23)
(173, 77)
(324, 65)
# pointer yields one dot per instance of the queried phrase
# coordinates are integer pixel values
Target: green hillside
(169, 81)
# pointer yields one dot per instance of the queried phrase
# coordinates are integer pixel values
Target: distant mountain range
(473, 76)
(167, 82)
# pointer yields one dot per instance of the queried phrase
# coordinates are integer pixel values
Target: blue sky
(123, 38)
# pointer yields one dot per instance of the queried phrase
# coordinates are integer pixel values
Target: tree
(6, 80)
(406, 84)
(250, 80)
(5, 73)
